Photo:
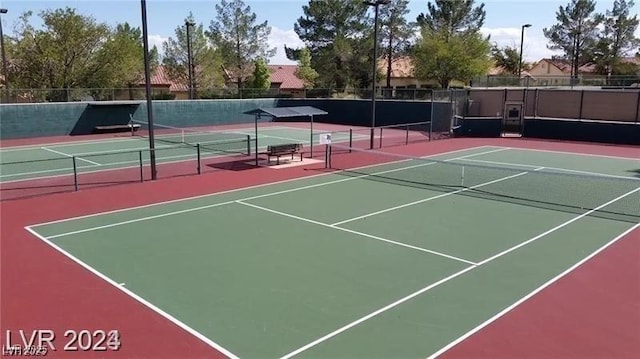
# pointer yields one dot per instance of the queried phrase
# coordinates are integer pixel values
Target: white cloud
(535, 44)
(278, 39)
(157, 40)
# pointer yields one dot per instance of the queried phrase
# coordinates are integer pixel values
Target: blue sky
(503, 21)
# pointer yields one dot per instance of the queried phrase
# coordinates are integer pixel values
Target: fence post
(581, 104)
(141, 166)
(249, 145)
(638, 108)
(380, 137)
(75, 172)
(431, 119)
(198, 156)
(406, 139)
(351, 136)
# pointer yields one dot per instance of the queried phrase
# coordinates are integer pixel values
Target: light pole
(521, 47)
(4, 59)
(375, 4)
(189, 24)
(147, 85)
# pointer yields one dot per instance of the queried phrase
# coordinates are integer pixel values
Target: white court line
(559, 169)
(105, 140)
(381, 310)
(70, 156)
(241, 189)
(375, 313)
(356, 232)
(148, 304)
(115, 224)
(574, 153)
(431, 198)
(105, 164)
(534, 292)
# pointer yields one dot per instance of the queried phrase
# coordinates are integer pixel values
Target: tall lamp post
(375, 4)
(189, 24)
(4, 58)
(521, 47)
(147, 85)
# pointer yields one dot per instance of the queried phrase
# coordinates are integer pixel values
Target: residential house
(284, 79)
(556, 72)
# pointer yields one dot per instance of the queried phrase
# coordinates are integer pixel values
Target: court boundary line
(559, 169)
(136, 297)
(574, 153)
(168, 147)
(193, 209)
(238, 189)
(531, 294)
(362, 234)
(505, 252)
(432, 198)
(69, 156)
(98, 140)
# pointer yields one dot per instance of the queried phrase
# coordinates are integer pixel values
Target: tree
(334, 31)
(238, 37)
(576, 32)
(260, 78)
(61, 55)
(449, 17)
(446, 57)
(123, 54)
(305, 71)
(395, 32)
(73, 51)
(451, 45)
(507, 58)
(206, 61)
(617, 38)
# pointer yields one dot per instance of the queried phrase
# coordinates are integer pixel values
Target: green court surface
(47, 160)
(389, 261)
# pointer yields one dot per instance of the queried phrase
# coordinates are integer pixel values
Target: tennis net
(211, 141)
(605, 196)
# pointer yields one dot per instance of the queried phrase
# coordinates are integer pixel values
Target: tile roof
(401, 67)
(285, 75)
(160, 77)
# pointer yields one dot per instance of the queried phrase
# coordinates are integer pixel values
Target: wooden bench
(117, 128)
(281, 150)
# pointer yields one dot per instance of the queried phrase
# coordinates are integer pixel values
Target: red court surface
(592, 312)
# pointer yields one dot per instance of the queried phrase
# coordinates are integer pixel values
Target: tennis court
(59, 159)
(398, 259)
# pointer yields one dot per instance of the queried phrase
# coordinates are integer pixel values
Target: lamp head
(526, 25)
(3, 11)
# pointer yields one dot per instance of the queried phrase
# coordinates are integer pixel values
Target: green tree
(72, 51)
(305, 71)
(395, 32)
(576, 32)
(507, 58)
(238, 37)
(63, 54)
(451, 45)
(206, 61)
(450, 17)
(617, 38)
(447, 57)
(123, 54)
(336, 32)
(261, 75)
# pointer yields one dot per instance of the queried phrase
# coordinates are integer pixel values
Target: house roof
(285, 75)
(160, 77)
(401, 67)
(565, 66)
